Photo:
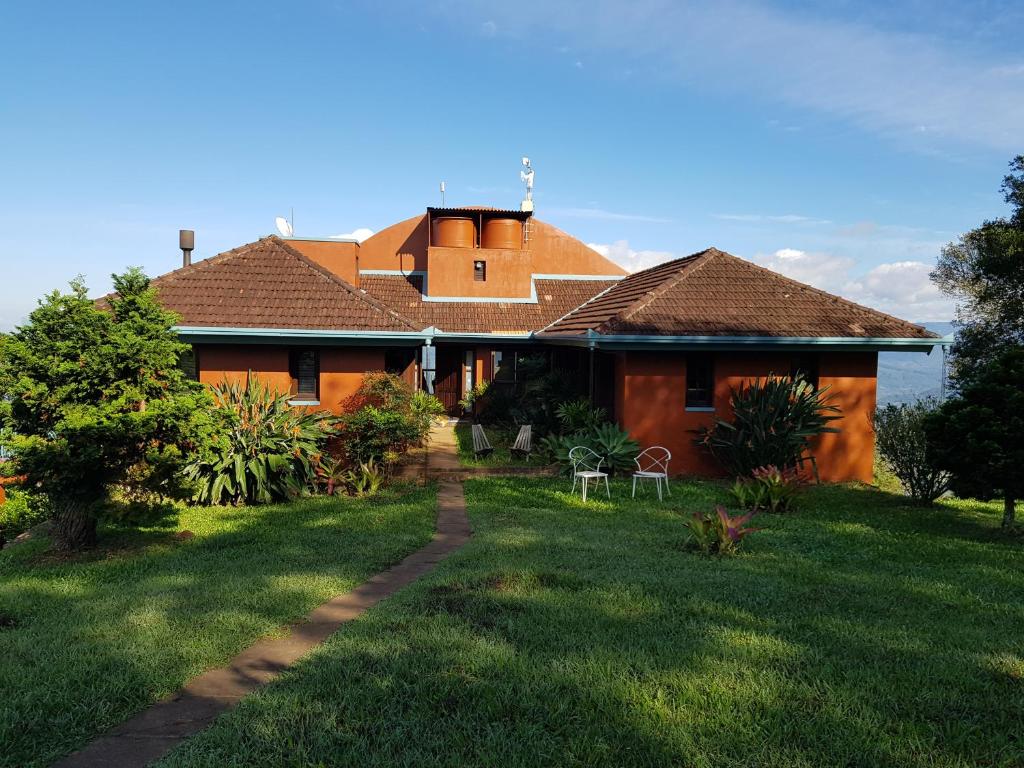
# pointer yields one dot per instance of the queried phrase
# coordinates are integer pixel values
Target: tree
(93, 397)
(976, 436)
(984, 271)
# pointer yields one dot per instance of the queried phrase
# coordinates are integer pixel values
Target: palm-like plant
(773, 421)
(266, 450)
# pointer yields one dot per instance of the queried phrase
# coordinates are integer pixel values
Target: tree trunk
(74, 525)
(1009, 512)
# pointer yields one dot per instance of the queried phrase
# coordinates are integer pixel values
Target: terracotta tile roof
(554, 299)
(269, 284)
(712, 293)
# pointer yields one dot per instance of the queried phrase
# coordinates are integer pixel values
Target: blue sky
(841, 142)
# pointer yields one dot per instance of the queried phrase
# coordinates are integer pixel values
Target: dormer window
(479, 271)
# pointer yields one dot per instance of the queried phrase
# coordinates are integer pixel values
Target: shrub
(371, 432)
(385, 390)
(579, 415)
(364, 480)
(424, 409)
(902, 446)
(86, 394)
(20, 512)
(718, 533)
(773, 421)
(768, 488)
(265, 451)
(606, 440)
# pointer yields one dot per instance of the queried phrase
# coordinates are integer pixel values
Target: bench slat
(481, 445)
(523, 445)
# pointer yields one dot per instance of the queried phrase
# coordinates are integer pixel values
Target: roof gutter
(593, 340)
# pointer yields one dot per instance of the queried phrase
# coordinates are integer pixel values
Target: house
(454, 296)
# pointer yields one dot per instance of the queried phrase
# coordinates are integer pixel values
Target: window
(468, 365)
(700, 382)
(503, 366)
(428, 367)
(188, 362)
(304, 367)
(479, 271)
(805, 365)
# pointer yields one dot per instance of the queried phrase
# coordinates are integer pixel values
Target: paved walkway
(153, 733)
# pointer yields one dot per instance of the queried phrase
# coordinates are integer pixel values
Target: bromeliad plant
(718, 533)
(774, 420)
(768, 489)
(266, 450)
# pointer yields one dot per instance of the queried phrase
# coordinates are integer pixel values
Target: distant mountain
(907, 376)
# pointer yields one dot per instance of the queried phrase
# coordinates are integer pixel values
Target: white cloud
(598, 213)
(787, 218)
(901, 288)
(359, 234)
(629, 259)
(877, 77)
(488, 29)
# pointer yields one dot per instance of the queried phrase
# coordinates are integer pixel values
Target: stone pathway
(156, 731)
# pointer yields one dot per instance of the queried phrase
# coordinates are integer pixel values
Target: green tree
(976, 436)
(94, 397)
(984, 272)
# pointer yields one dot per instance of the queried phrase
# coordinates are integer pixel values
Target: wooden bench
(523, 445)
(481, 445)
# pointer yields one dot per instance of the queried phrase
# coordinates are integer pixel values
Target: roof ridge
(340, 281)
(685, 268)
(818, 291)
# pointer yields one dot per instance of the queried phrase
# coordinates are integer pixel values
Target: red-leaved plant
(719, 534)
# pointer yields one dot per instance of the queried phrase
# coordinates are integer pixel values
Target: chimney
(187, 242)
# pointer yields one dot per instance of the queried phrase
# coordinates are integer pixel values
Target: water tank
(453, 232)
(502, 233)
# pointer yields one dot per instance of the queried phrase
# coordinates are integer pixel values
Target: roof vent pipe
(187, 243)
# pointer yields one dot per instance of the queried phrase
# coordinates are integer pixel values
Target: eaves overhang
(315, 336)
(594, 340)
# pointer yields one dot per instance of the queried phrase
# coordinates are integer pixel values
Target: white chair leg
(574, 479)
(585, 481)
(634, 486)
(606, 488)
(657, 482)
(667, 489)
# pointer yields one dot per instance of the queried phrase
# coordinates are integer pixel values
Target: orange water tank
(502, 233)
(453, 232)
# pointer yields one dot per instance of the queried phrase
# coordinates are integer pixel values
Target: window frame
(704, 363)
(479, 275)
(297, 396)
(808, 363)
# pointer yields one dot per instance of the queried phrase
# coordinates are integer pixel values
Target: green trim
(595, 340)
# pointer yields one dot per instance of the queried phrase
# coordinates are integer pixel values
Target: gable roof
(713, 293)
(269, 284)
(404, 293)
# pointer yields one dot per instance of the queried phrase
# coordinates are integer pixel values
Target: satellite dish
(284, 226)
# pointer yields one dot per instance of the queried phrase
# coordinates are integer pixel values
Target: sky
(841, 143)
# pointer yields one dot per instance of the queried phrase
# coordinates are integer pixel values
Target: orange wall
(341, 368)
(650, 404)
(550, 251)
(340, 258)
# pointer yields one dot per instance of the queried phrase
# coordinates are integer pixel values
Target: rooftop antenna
(187, 243)
(526, 176)
(442, 194)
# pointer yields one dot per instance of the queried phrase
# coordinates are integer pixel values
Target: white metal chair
(586, 466)
(652, 464)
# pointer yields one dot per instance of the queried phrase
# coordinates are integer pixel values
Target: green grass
(85, 644)
(501, 439)
(858, 631)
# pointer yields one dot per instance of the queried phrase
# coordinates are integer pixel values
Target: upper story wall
(405, 247)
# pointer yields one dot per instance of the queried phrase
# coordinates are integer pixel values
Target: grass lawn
(501, 440)
(859, 631)
(85, 644)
